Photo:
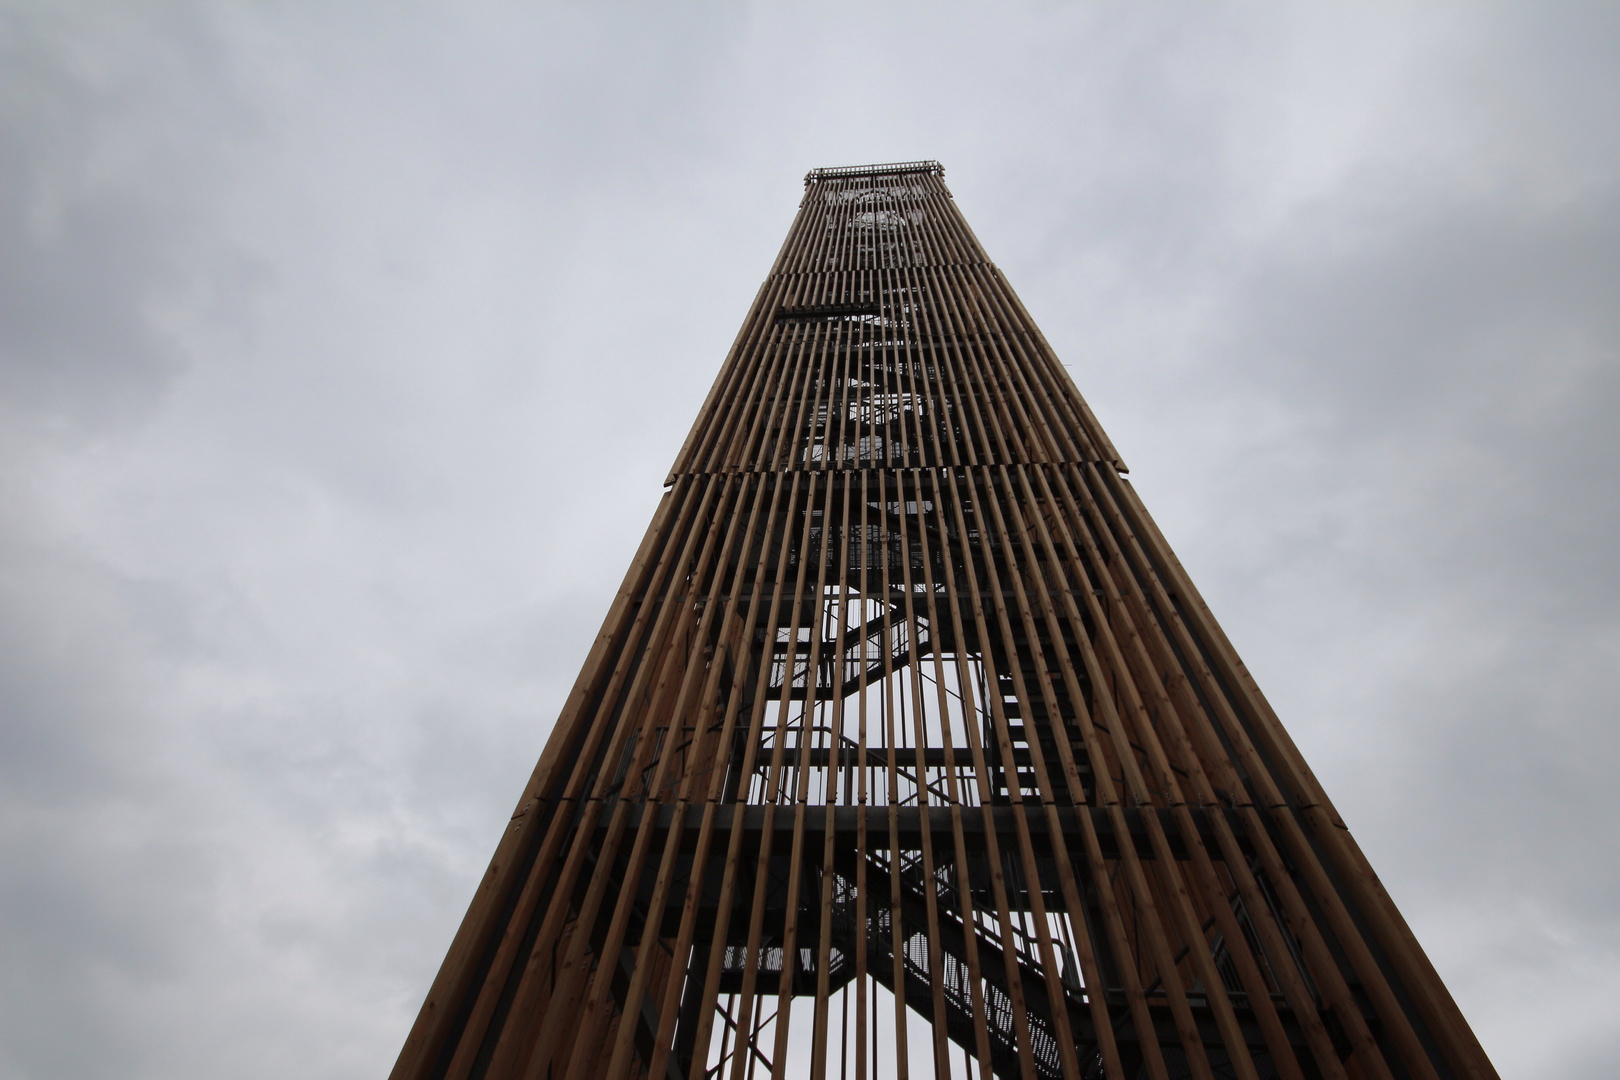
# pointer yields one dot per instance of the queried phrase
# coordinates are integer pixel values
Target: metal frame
(907, 719)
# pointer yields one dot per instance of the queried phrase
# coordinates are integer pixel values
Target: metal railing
(892, 168)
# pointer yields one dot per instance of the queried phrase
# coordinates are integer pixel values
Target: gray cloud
(342, 353)
(109, 153)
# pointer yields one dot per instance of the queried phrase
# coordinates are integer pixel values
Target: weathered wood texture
(906, 709)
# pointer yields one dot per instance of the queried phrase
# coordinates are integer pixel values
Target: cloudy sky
(344, 347)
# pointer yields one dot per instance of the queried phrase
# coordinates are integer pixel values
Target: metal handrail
(887, 169)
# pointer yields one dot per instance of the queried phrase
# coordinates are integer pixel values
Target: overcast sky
(344, 349)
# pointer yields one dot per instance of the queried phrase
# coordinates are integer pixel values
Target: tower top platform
(892, 168)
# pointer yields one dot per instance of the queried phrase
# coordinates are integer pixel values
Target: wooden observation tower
(908, 747)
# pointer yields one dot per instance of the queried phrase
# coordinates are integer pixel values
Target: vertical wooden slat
(773, 559)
